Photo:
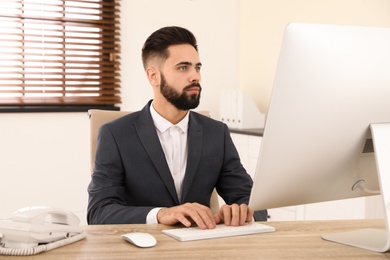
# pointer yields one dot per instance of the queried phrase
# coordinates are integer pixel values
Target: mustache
(193, 85)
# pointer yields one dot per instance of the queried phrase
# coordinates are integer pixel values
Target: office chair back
(99, 117)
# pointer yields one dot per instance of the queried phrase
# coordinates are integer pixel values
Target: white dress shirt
(173, 139)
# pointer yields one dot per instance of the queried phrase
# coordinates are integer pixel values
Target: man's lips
(194, 89)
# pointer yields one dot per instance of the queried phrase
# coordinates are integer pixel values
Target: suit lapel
(195, 136)
(148, 136)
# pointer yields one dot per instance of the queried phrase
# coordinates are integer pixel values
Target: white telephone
(31, 227)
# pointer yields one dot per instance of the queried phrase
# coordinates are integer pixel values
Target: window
(59, 54)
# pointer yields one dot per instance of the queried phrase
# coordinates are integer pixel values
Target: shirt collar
(162, 124)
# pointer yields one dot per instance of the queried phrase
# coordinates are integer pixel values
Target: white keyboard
(195, 233)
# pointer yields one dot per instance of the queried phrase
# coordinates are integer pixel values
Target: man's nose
(195, 76)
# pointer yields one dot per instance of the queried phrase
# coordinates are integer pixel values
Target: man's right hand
(187, 214)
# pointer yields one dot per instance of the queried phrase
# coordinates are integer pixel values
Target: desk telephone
(38, 229)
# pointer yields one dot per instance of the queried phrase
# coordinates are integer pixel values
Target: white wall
(44, 161)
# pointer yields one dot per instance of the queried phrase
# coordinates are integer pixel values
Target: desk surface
(292, 240)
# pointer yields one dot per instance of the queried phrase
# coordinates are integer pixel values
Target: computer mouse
(140, 239)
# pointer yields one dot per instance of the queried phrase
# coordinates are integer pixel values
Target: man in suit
(161, 164)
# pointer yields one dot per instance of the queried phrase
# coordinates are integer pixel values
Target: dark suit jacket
(131, 175)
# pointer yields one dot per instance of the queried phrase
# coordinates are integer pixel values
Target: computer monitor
(327, 131)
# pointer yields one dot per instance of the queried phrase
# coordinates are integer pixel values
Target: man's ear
(153, 75)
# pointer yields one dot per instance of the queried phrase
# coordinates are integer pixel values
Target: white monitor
(330, 96)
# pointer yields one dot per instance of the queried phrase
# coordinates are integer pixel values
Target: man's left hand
(234, 215)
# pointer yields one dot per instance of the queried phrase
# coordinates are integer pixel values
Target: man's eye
(183, 68)
(197, 68)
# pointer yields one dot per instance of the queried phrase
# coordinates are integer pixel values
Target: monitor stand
(377, 240)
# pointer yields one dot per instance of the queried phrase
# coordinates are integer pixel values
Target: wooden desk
(292, 240)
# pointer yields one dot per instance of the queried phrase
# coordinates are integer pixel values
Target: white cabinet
(248, 147)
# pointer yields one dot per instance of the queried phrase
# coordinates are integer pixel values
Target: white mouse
(140, 239)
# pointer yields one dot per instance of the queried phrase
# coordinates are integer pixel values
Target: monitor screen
(332, 82)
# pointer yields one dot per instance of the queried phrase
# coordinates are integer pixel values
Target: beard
(182, 101)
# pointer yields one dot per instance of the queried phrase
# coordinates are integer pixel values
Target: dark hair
(158, 42)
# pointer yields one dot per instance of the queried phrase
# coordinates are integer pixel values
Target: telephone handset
(45, 215)
(32, 227)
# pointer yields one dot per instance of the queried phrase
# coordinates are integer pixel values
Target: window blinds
(59, 52)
